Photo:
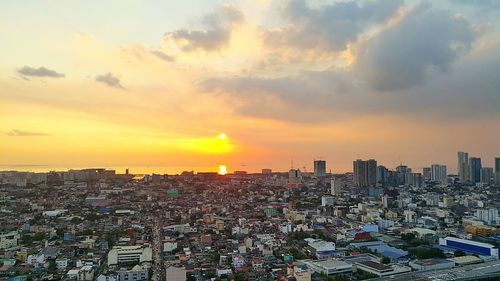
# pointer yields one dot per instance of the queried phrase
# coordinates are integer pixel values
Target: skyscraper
(497, 171)
(497, 164)
(475, 169)
(319, 168)
(463, 166)
(365, 173)
(486, 175)
(382, 174)
(439, 173)
(427, 173)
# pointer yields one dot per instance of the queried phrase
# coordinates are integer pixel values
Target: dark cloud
(20, 133)
(217, 34)
(41, 71)
(425, 42)
(110, 80)
(422, 65)
(329, 27)
(161, 55)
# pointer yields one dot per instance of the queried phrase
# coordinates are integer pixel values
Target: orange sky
(132, 87)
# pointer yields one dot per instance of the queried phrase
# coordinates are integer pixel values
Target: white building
(9, 240)
(62, 263)
(110, 277)
(85, 273)
(329, 267)
(410, 216)
(327, 201)
(125, 254)
(137, 273)
(488, 216)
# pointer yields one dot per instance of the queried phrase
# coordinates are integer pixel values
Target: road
(158, 268)
(463, 273)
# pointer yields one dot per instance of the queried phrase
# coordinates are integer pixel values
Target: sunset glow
(244, 82)
(222, 169)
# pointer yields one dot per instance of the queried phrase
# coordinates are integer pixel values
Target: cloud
(217, 34)
(424, 43)
(330, 27)
(481, 4)
(20, 133)
(110, 80)
(161, 55)
(39, 72)
(425, 64)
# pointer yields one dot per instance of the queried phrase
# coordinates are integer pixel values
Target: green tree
(76, 220)
(386, 260)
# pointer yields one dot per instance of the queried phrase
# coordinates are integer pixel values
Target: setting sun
(222, 136)
(222, 169)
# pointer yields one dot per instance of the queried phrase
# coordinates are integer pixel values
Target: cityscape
(249, 140)
(372, 223)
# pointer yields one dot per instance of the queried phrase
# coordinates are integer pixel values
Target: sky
(152, 85)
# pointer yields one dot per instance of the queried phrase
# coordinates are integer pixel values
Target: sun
(222, 136)
(222, 169)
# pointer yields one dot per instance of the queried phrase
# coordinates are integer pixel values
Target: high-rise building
(487, 175)
(427, 173)
(488, 216)
(497, 164)
(295, 178)
(401, 172)
(463, 166)
(439, 173)
(365, 173)
(319, 168)
(497, 171)
(475, 169)
(414, 179)
(336, 186)
(382, 174)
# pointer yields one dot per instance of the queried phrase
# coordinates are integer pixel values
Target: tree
(427, 253)
(239, 277)
(76, 220)
(386, 260)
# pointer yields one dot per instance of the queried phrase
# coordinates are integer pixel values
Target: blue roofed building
(382, 248)
(469, 246)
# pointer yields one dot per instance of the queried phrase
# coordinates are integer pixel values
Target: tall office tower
(319, 168)
(414, 179)
(359, 176)
(486, 175)
(439, 173)
(497, 171)
(427, 173)
(463, 166)
(382, 174)
(474, 169)
(371, 169)
(365, 173)
(401, 171)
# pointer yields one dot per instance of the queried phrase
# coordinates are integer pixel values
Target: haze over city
(152, 84)
(249, 140)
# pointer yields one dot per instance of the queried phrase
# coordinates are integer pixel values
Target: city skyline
(155, 84)
(324, 165)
